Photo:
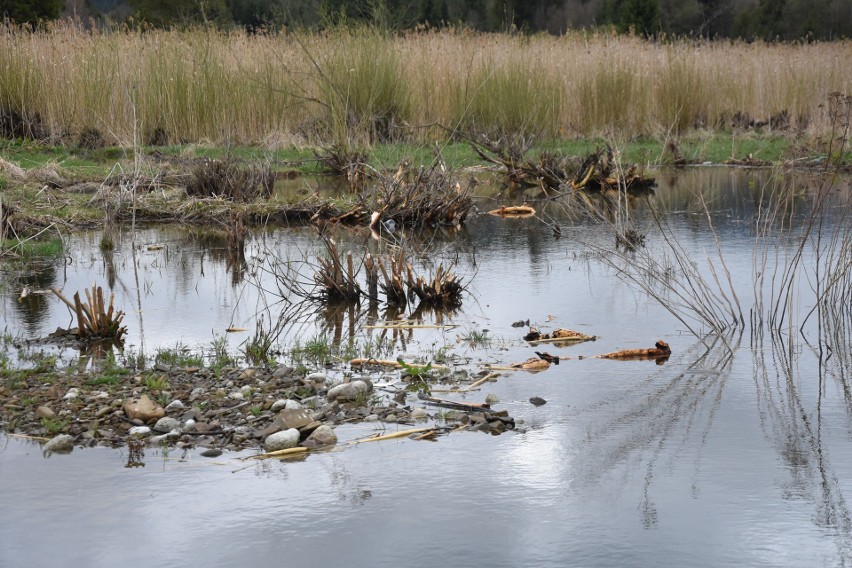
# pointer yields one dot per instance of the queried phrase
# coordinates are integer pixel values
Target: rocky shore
(267, 409)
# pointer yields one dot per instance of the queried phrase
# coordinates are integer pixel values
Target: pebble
(103, 411)
(71, 394)
(322, 436)
(175, 405)
(282, 371)
(60, 443)
(196, 392)
(281, 440)
(491, 398)
(166, 424)
(140, 431)
(537, 401)
(278, 404)
(45, 412)
(317, 377)
(419, 414)
(211, 453)
(237, 395)
(292, 405)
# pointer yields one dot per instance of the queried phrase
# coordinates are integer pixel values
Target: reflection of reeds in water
(795, 428)
(657, 416)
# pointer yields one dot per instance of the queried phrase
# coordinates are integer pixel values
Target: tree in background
(641, 16)
(30, 11)
(168, 13)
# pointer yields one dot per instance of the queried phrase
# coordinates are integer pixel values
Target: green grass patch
(47, 248)
(178, 356)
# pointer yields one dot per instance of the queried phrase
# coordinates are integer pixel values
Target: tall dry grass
(230, 87)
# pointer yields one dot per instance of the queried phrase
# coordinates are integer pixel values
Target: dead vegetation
(419, 198)
(346, 162)
(550, 171)
(230, 180)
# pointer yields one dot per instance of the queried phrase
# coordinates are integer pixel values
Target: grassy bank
(361, 87)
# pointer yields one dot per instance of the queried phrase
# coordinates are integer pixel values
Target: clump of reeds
(336, 276)
(228, 179)
(17, 124)
(95, 319)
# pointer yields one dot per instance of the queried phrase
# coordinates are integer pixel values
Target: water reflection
(632, 430)
(796, 425)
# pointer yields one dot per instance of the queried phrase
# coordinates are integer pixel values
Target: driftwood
(660, 351)
(557, 335)
(513, 211)
(400, 434)
(453, 404)
(553, 359)
(94, 319)
(278, 453)
(385, 363)
(533, 364)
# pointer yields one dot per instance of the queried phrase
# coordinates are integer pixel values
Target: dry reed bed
(333, 86)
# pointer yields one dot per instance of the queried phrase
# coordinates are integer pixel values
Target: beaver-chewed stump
(443, 289)
(94, 319)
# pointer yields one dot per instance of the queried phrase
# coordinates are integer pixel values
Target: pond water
(732, 453)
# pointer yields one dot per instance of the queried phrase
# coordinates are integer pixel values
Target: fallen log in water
(660, 351)
(513, 211)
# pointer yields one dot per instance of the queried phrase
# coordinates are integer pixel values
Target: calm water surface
(720, 457)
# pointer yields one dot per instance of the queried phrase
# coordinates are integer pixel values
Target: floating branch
(95, 320)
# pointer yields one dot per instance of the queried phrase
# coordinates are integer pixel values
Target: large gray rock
(322, 436)
(281, 440)
(143, 408)
(60, 443)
